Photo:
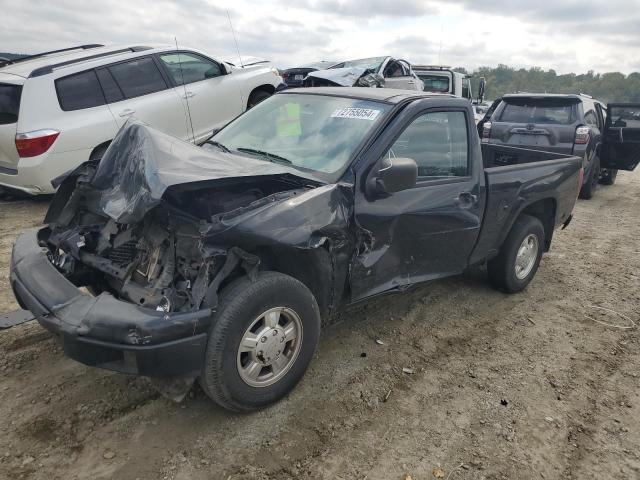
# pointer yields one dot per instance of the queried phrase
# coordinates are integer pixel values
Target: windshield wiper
(269, 156)
(219, 145)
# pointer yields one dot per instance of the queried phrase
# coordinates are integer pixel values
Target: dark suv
(569, 124)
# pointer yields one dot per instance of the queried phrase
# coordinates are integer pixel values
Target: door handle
(126, 112)
(188, 95)
(466, 200)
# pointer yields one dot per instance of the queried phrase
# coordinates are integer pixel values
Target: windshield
(559, 111)
(312, 132)
(373, 63)
(435, 83)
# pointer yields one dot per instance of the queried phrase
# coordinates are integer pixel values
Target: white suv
(59, 109)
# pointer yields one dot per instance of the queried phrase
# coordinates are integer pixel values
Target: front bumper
(103, 331)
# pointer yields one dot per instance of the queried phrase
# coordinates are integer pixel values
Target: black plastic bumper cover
(103, 331)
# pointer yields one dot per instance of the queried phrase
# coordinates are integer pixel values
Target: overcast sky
(566, 35)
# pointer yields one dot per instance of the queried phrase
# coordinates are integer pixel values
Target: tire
(502, 269)
(241, 304)
(608, 176)
(256, 97)
(589, 188)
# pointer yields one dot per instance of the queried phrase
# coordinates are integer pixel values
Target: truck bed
(503, 155)
(517, 179)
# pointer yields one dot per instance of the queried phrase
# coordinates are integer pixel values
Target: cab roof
(388, 95)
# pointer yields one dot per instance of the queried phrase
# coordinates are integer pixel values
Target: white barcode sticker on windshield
(353, 112)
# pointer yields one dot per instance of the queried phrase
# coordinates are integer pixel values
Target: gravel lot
(505, 387)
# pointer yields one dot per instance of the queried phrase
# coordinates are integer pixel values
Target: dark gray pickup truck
(220, 262)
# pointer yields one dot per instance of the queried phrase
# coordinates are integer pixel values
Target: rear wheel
(519, 258)
(589, 188)
(608, 176)
(262, 340)
(257, 97)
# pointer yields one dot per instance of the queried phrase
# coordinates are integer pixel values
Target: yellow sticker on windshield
(288, 122)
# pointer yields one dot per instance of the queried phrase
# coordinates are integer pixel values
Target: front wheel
(519, 258)
(263, 337)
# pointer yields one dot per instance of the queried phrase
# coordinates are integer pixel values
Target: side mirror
(394, 175)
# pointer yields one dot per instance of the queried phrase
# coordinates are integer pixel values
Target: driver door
(427, 231)
(621, 147)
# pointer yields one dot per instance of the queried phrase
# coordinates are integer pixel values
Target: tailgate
(10, 93)
(546, 123)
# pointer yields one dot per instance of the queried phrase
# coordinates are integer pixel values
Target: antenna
(234, 38)
(184, 86)
(440, 50)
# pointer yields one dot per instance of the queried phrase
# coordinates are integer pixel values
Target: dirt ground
(504, 387)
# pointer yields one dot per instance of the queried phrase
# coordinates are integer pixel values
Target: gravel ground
(528, 386)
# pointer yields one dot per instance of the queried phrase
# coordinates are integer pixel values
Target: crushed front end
(125, 271)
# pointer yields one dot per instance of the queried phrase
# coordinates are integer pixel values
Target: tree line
(608, 87)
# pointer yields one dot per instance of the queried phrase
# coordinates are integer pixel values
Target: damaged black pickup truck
(219, 263)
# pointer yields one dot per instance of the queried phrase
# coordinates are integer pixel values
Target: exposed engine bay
(134, 226)
(163, 262)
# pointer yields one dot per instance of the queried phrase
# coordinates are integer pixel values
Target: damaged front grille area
(123, 254)
(148, 264)
(165, 259)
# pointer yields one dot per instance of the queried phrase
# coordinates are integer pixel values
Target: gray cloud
(334, 29)
(370, 8)
(608, 21)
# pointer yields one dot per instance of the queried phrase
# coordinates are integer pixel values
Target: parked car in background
(570, 124)
(378, 72)
(440, 79)
(313, 200)
(294, 77)
(61, 108)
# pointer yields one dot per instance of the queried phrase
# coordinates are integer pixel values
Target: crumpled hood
(345, 77)
(142, 163)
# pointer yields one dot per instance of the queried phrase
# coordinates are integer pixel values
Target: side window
(191, 68)
(438, 143)
(466, 88)
(590, 118)
(79, 91)
(625, 116)
(393, 69)
(111, 90)
(406, 69)
(138, 77)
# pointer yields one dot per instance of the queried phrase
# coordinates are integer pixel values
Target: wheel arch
(270, 89)
(97, 148)
(545, 211)
(318, 268)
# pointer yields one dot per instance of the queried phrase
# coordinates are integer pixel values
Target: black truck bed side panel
(512, 188)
